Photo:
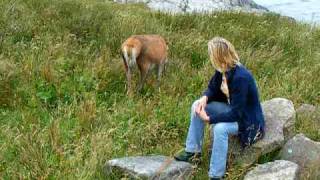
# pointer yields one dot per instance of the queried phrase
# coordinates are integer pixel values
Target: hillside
(63, 107)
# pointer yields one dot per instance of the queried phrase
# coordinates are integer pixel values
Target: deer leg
(128, 72)
(165, 66)
(144, 70)
(160, 68)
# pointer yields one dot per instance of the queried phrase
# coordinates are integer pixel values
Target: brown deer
(145, 51)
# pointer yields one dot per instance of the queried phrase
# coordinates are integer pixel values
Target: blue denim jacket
(244, 102)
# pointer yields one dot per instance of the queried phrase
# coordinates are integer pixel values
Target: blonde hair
(222, 54)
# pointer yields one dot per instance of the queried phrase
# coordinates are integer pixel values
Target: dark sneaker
(188, 157)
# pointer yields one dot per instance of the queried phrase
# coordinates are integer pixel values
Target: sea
(302, 10)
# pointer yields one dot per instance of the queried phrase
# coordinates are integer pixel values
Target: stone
(277, 170)
(153, 167)
(304, 152)
(181, 6)
(279, 117)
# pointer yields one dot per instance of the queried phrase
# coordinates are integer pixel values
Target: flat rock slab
(277, 170)
(304, 152)
(279, 117)
(150, 167)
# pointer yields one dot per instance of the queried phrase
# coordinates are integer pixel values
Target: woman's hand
(200, 109)
(202, 103)
(203, 115)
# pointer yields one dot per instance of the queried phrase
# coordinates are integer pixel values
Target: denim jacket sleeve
(238, 101)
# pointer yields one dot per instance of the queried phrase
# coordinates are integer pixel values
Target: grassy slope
(63, 108)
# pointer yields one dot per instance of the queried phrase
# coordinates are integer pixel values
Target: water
(302, 10)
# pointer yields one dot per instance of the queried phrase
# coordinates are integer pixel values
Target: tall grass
(63, 107)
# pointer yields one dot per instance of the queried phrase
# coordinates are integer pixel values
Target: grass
(63, 107)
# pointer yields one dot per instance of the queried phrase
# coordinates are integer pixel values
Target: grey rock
(180, 6)
(277, 170)
(279, 116)
(150, 167)
(304, 152)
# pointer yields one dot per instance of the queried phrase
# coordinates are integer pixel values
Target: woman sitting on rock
(231, 104)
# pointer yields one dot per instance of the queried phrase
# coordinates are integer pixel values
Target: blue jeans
(220, 133)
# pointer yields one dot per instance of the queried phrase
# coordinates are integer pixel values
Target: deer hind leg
(165, 64)
(127, 69)
(128, 75)
(160, 69)
(144, 71)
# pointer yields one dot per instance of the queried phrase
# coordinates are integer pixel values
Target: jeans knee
(219, 129)
(194, 105)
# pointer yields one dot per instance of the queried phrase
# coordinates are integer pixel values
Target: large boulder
(304, 152)
(180, 6)
(149, 167)
(279, 116)
(277, 170)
